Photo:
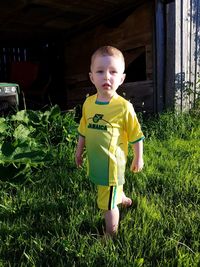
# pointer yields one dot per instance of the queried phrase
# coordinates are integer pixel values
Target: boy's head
(107, 70)
(108, 51)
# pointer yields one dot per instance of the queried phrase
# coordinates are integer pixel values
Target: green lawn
(48, 213)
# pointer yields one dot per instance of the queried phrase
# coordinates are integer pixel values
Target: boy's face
(107, 75)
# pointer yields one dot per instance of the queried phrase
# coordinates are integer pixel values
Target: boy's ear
(123, 78)
(91, 78)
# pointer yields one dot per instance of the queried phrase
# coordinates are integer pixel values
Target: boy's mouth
(106, 85)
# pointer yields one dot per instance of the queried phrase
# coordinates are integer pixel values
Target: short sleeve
(82, 125)
(132, 125)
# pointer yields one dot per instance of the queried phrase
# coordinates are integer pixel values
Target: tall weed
(170, 125)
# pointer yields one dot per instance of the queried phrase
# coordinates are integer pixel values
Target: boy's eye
(99, 71)
(113, 71)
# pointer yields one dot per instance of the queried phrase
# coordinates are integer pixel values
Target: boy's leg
(108, 199)
(112, 221)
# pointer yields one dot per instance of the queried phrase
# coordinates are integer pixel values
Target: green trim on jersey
(142, 138)
(101, 103)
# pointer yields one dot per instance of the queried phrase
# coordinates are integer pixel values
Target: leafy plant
(34, 139)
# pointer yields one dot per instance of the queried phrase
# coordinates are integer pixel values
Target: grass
(49, 216)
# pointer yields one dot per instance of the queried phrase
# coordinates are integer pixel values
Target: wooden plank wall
(133, 34)
(187, 56)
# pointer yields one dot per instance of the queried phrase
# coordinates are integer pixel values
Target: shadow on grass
(92, 228)
(10, 174)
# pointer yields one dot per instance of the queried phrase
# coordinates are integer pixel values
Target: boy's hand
(137, 165)
(138, 162)
(78, 159)
(79, 151)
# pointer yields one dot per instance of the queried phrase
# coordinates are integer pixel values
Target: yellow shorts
(108, 197)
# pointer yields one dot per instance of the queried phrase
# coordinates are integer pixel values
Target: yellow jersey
(107, 128)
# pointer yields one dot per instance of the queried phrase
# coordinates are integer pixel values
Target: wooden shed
(46, 45)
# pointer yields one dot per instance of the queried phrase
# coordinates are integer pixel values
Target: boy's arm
(138, 162)
(79, 151)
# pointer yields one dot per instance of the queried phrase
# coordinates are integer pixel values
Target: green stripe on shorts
(114, 196)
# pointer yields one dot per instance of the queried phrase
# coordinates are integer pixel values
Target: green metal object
(9, 95)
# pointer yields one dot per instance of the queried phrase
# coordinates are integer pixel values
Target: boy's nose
(106, 75)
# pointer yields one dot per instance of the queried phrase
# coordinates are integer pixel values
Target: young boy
(108, 123)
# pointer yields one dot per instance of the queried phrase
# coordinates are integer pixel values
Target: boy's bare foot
(126, 201)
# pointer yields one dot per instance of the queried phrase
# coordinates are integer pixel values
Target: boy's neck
(104, 98)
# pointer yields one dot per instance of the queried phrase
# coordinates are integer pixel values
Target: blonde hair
(107, 50)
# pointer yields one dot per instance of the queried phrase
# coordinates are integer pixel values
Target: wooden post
(170, 57)
(159, 52)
